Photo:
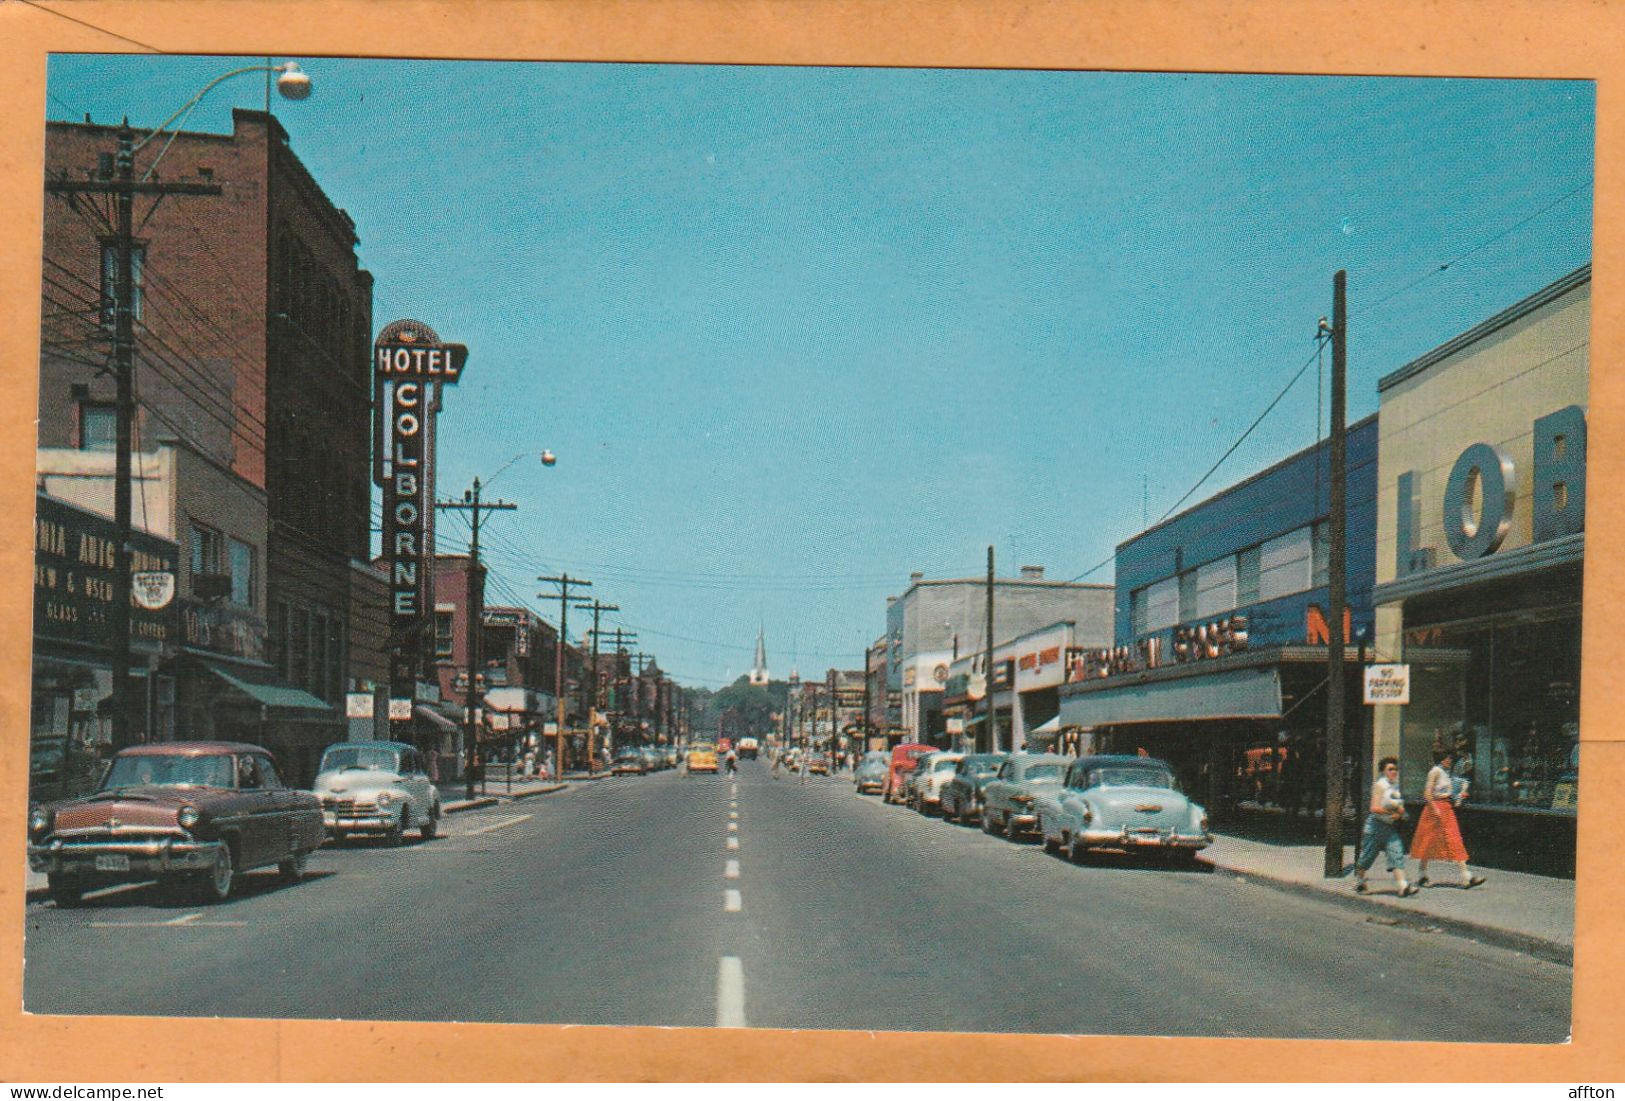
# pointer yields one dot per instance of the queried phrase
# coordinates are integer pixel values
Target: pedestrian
(1438, 835)
(1384, 813)
(801, 763)
(733, 761)
(773, 758)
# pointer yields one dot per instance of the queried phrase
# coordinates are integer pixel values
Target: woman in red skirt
(1438, 837)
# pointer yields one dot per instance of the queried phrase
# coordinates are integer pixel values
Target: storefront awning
(1050, 727)
(1234, 694)
(435, 719)
(265, 689)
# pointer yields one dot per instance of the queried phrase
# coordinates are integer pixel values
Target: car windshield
(150, 769)
(980, 765)
(944, 765)
(359, 756)
(1130, 776)
(1042, 772)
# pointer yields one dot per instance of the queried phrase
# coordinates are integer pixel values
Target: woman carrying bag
(1438, 836)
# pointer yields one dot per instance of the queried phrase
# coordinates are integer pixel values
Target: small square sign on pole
(1388, 684)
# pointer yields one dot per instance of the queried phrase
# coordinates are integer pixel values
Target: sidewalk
(454, 796)
(1528, 913)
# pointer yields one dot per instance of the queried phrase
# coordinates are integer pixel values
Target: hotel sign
(411, 363)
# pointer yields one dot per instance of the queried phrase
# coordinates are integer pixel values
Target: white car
(1131, 804)
(377, 788)
(931, 775)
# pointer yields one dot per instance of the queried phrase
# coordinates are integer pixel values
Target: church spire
(758, 672)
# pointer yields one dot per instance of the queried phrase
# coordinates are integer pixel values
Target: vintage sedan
(1121, 802)
(904, 758)
(818, 763)
(871, 772)
(930, 777)
(1009, 799)
(188, 814)
(962, 794)
(630, 762)
(380, 788)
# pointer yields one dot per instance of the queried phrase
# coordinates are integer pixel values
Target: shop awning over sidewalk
(435, 719)
(1232, 694)
(261, 686)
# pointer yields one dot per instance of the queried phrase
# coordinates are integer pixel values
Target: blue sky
(794, 333)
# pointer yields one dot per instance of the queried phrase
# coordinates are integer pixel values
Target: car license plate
(112, 862)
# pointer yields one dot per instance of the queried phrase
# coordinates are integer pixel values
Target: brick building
(252, 334)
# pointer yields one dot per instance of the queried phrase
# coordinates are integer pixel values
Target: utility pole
(124, 188)
(1337, 579)
(620, 639)
(597, 608)
(987, 669)
(564, 581)
(474, 606)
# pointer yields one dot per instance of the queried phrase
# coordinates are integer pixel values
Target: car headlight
(384, 799)
(188, 817)
(1202, 823)
(1088, 814)
(39, 821)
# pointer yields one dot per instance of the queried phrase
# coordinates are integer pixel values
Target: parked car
(378, 788)
(818, 762)
(962, 794)
(1009, 799)
(1127, 803)
(189, 814)
(702, 757)
(903, 760)
(870, 774)
(629, 762)
(931, 775)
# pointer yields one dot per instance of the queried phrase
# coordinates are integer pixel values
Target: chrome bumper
(358, 823)
(1134, 839)
(1027, 819)
(157, 857)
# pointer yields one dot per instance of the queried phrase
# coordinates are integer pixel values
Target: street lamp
(293, 84)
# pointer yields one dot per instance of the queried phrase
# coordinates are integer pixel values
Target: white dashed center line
(733, 814)
(731, 902)
(731, 871)
(730, 993)
(733, 827)
(733, 844)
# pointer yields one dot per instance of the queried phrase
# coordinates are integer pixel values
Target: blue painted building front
(1220, 631)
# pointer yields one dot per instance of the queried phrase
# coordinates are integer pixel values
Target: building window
(1216, 587)
(1162, 605)
(1322, 555)
(98, 426)
(1247, 577)
(138, 263)
(1187, 596)
(1284, 565)
(442, 634)
(206, 561)
(240, 559)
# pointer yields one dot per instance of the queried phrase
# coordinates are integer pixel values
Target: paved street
(644, 901)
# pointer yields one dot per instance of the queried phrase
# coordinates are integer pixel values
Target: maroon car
(192, 814)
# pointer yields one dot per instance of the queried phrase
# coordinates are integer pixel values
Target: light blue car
(1127, 803)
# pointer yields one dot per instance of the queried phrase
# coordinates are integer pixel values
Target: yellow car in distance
(702, 757)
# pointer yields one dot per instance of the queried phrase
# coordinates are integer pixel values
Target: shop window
(1247, 576)
(240, 560)
(109, 296)
(209, 579)
(98, 426)
(1216, 587)
(1284, 565)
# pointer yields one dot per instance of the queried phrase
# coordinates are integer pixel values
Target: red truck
(903, 760)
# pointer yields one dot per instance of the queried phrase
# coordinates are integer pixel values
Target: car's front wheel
(216, 883)
(1051, 845)
(66, 892)
(431, 824)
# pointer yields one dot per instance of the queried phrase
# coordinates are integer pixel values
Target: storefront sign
(358, 705)
(73, 577)
(222, 629)
(400, 710)
(1100, 662)
(1387, 684)
(955, 725)
(1481, 495)
(152, 590)
(1201, 641)
(436, 362)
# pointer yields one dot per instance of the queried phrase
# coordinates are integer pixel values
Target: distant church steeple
(758, 672)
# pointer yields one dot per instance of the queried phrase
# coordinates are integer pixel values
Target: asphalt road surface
(696, 901)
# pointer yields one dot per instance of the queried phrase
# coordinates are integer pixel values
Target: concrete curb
(1544, 948)
(518, 795)
(469, 804)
